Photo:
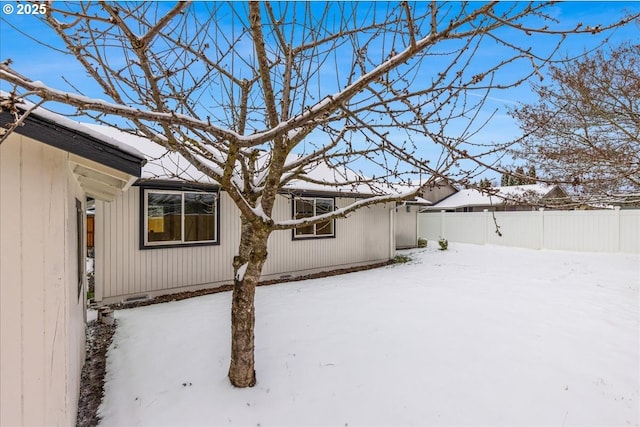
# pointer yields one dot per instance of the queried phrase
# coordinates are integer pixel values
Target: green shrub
(444, 244)
(422, 243)
(401, 259)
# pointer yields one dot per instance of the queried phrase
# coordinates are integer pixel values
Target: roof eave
(75, 142)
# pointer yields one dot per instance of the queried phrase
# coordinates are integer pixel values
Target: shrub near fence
(613, 230)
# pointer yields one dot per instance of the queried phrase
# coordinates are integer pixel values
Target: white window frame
(182, 241)
(315, 234)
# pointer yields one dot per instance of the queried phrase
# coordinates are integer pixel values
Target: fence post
(442, 224)
(616, 225)
(392, 232)
(486, 226)
(541, 229)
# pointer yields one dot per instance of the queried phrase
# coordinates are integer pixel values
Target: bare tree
(256, 95)
(585, 127)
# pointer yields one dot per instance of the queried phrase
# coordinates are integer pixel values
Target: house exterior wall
(41, 315)
(556, 193)
(124, 271)
(362, 238)
(406, 226)
(438, 191)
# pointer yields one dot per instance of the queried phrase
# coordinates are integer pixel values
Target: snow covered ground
(476, 335)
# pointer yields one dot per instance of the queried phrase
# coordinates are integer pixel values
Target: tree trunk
(247, 270)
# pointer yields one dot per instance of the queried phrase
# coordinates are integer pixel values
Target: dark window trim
(293, 215)
(80, 246)
(183, 187)
(295, 239)
(158, 184)
(76, 142)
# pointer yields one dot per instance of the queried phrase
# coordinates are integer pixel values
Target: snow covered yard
(476, 335)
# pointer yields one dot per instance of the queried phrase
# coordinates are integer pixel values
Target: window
(306, 207)
(179, 217)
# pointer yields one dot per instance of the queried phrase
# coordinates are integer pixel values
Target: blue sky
(39, 62)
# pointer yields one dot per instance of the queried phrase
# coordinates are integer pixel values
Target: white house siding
(361, 238)
(41, 316)
(406, 226)
(123, 271)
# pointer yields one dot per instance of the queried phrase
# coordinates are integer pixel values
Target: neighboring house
(627, 200)
(511, 198)
(439, 190)
(175, 230)
(406, 216)
(48, 167)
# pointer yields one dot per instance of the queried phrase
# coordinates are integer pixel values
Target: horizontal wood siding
(123, 271)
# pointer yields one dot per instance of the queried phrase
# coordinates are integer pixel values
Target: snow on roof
(405, 188)
(420, 201)
(334, 179)
(82, 128)
(165, 165)
(473, 197)
(161, 163)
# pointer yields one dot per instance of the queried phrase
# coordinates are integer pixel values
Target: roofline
(470, 205)
(167, 184)
(302, 192)
(501, 200)
(75, 141)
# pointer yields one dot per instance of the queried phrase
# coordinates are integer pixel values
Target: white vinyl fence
(597, 230)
